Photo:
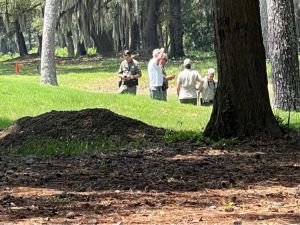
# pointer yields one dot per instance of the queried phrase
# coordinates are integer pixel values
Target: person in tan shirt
(186, 84)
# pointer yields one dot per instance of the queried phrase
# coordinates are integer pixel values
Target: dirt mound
(86, 125)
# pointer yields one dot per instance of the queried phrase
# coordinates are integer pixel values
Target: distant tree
(242, 107)
(20, 39)
(18, 15)
(283, 52)
(48, 68)
(297, 16)
(150, 35)
(198, 26)
(176, 29)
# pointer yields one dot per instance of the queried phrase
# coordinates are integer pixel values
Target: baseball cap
(187, 62)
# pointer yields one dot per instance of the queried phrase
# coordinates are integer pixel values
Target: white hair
(155, 52)
(211, 71)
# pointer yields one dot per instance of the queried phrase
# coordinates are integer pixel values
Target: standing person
(166, 78)
(207, 88)
(129, 73)
(186, 84)
(156, 75)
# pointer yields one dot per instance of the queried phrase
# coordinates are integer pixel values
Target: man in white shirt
(156, 75)
(186, 84)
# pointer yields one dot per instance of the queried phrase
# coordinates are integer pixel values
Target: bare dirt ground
(183, 183)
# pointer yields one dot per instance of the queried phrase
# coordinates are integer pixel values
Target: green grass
(24, 96)
(93, 84)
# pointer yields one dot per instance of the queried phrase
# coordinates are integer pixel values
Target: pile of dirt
(85, 125)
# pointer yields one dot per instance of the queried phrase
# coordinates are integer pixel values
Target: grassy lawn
(93, 83)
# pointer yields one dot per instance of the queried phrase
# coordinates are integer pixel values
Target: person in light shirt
(207, 89)
(186, 83)
(155, 75)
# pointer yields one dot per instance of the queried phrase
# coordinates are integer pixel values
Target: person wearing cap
(186, 84)
(166, 78)
(129, 73)
(155, 75)
(207, 89)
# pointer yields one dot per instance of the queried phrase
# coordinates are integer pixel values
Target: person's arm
(178, 85)
(178, 88)
(199, 78)
(160, 55)
(171, 77)
(201, 86)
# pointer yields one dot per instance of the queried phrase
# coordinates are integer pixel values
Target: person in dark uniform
(129, 73)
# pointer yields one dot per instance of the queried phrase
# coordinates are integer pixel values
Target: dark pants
(192, 101)
(207, 103)
(157, 93)
(124, 89)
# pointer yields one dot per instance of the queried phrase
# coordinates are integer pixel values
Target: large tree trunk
(134, 37)
(150, 30)
(102, 41)
(3, 45)
(264, 24)
(242, 107)
(176, 29)
(297, 16)
(70, 44)
(284, 54)
(20, 40)
(81, 50)
(40, 44)
(48, 69)
(29, 39)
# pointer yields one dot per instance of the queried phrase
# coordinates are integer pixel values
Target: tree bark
(81, 50)
(48, 69)
(264, 24)
(176, 29)
(40, 44)
(297, 16)
(3, 45)
(102, 41)
(70, 44)
(134, 37)
(20, 40)
(242, 107)
(284, 54)
(150, 29)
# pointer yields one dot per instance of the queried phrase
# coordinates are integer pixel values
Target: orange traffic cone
(17, 68)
